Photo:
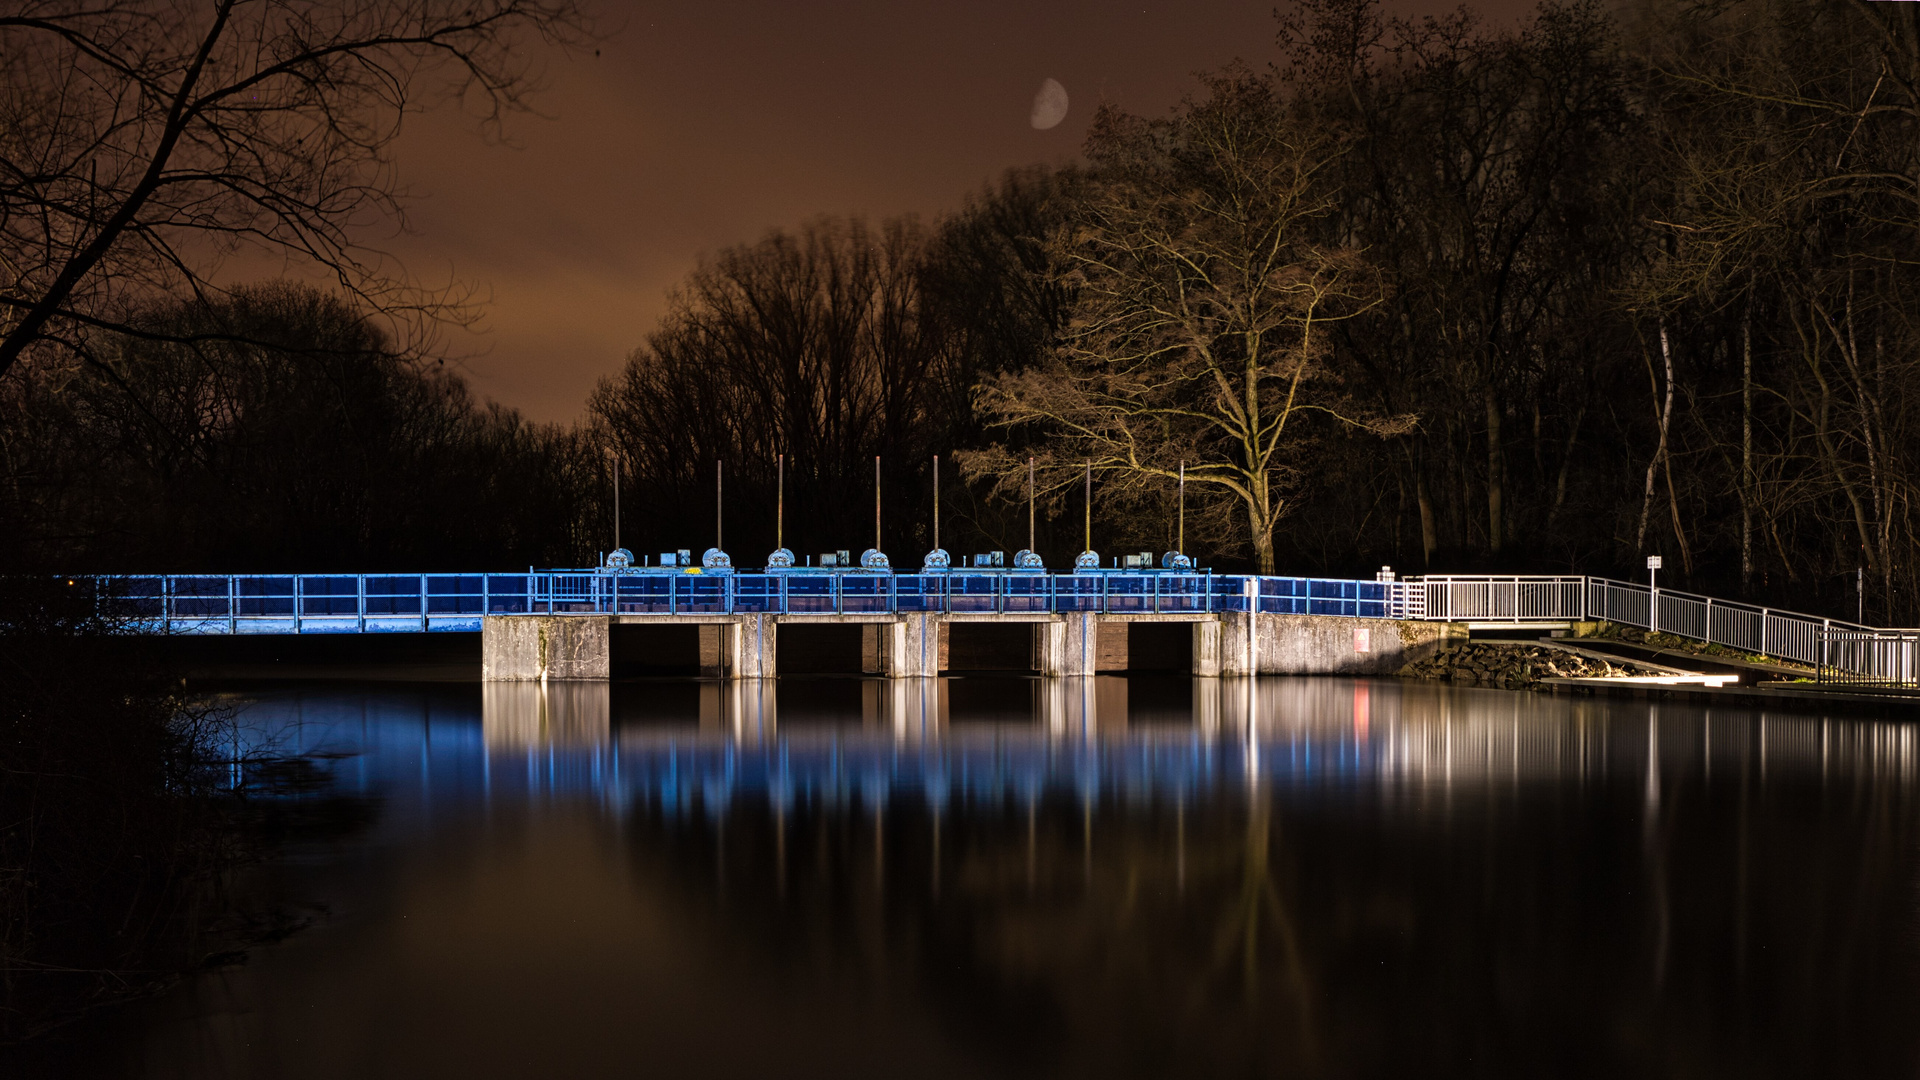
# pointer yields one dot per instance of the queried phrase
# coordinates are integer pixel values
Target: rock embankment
(1510, 667)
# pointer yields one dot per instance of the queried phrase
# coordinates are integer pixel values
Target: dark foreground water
(1311, 877)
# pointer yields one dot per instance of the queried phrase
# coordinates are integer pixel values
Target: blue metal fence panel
(388, 603)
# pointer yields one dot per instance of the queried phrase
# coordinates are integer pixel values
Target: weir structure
(584, 624)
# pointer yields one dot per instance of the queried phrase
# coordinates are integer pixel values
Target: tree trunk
(1660, 450)
(1429, 533)
(1566, 465)
(1495, 474)
(1746, 449)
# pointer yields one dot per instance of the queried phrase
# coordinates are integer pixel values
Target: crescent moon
(1049, 105)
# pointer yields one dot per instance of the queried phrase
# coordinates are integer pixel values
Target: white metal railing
(1870, 657)
(1879, 655)
(1500, 598)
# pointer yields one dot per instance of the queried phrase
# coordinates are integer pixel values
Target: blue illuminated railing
(416, 603)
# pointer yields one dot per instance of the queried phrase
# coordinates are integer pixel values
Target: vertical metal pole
(780, 506)
(936, 502)
(616, 501)
(1180, 544)
(1653, 600)
(1089, 508)
(1860, 592)
(718, 477)
(876, 502)
(1029, 504)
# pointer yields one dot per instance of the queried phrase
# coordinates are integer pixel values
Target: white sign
(1653, 562)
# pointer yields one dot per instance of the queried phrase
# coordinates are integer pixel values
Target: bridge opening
(1144, 647)
(1160, 646)
(643, 650)
(987, 646)
(827, 649)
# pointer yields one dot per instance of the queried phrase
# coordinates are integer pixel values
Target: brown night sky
(706, 124)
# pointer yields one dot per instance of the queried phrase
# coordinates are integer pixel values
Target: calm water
(977, 877)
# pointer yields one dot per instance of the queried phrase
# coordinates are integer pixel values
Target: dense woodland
(1437, 293)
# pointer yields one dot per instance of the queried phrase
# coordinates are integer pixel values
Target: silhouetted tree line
(1424, 292)
(278, 430)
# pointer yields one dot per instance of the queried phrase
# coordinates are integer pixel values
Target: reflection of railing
(389, 603)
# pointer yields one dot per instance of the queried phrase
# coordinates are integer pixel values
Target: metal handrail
(1752, 628)
(415, 602)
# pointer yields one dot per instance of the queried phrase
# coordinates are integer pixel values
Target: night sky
(702, 125)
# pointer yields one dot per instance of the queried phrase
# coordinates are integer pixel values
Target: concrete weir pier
(523, 648)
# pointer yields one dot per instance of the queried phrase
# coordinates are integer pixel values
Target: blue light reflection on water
(1024, 739)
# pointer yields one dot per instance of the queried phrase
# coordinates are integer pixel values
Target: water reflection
(1112, 877)
(1157, 739)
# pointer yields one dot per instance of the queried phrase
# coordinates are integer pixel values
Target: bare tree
(1203, 291)
(143, 141)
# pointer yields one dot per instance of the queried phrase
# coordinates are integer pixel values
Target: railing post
(423, 604)
(233, 595)
(1763, 633)
(360, 588)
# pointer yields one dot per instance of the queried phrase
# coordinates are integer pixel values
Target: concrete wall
(1072, 645)
(1110, 653)
(528, 648)
(753, 651)
(1206, 649)
(921, 653)
(1328, 644)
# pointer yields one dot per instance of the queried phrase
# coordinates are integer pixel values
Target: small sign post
(1653, 593)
